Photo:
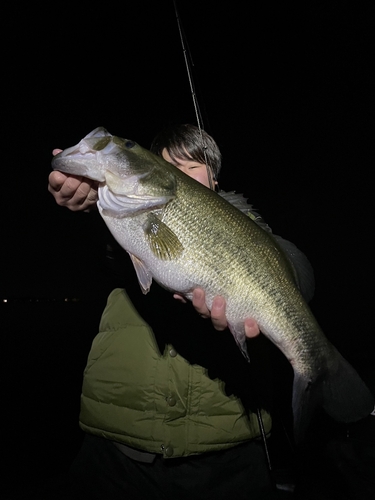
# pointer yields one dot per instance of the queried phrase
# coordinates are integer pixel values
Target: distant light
(38, 300)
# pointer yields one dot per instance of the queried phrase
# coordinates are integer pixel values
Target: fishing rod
(194, 95)
(200, 126)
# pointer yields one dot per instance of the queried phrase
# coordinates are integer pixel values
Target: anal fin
(143, 274)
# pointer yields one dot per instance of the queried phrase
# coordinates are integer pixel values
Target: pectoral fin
(143, 274)
(162, 240)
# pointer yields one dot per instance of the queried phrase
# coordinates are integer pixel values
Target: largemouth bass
(184, 236)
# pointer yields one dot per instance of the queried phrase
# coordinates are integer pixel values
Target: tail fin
(341, 392)
(346, 397)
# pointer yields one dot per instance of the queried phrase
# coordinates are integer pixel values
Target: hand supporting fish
(185, 236)
(72, 191)
(217, 312)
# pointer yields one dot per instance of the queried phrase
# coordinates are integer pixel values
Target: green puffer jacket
(156, 401)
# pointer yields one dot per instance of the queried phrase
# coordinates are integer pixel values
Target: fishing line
(209, 174)
(194, 95)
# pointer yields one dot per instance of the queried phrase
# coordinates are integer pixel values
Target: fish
(184, 236)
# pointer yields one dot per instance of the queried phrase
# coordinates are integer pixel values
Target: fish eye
(130, 144)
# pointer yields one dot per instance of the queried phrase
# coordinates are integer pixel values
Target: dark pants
(101, 471)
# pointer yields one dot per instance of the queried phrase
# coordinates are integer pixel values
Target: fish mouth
(78, 159)
(77, 164)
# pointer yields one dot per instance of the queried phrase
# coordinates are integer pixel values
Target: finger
(199, 302)
(179, 297)
(70, 190)
(92, 197)
(56, 151)
(218, 317)
(84, 196)
(56, 179)
(251, 328)
(74, 189)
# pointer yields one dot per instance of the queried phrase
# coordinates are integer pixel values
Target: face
(192, 168)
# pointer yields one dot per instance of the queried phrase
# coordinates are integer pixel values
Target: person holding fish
(168, 404)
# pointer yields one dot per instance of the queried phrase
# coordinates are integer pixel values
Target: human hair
(188, 142)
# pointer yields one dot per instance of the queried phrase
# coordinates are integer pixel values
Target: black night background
(287, 91)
